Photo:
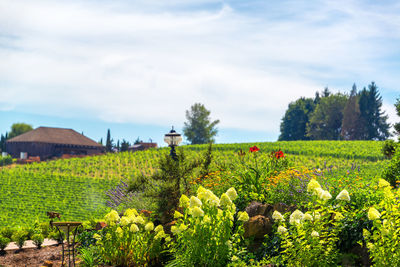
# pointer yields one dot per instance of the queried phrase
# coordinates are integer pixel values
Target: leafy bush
(38, 240)
(7, 232)
(7, 160)
(89, 256)
(389, 148)
(203, 232)
(131, 240)
(392, 171)
(57, 236)
(4, 241)
(251, 175)
(310, 239)
(19, 237)
(383, 241)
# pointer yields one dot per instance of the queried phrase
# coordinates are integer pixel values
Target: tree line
(340, 116)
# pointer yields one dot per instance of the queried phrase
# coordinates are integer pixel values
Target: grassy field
(76, 187)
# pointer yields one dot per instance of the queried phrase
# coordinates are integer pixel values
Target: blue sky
(136, 66)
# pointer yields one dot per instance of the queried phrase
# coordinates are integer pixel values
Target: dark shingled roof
(55, 136)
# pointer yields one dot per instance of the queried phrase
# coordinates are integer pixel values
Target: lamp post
(173, 139)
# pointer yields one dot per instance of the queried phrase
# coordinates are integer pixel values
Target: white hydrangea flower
(307, 217)
(225, 200)
(343, 195)
(312, 185)
(195, 202)
(373, 214)
(197, 212)
(277, 216)
(281, 229)
(325, 195)
(315, 234)
(232, 194)
(296, 217)
(134, 228)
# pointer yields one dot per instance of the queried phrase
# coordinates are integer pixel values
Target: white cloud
(131, 63)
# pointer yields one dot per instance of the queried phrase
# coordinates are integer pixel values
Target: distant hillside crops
(76, 187)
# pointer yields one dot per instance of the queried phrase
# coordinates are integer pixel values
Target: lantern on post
(173, 139)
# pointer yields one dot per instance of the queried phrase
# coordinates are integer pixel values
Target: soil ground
(32, 257)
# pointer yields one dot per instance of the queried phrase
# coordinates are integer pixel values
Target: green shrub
(203, 233)
(392, 171)
(89, 256)
(4, 241)
(383, 241)
(131, 240)
(57, 236)
(38, 240)
(389, 148)
(7, 232)
(7, 160)
(19, 237)
(310, 238)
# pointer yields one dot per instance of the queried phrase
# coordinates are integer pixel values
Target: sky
(135, 67)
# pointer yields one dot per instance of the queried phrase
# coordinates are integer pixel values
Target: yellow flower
(159, 228)
(383, 183)
(281, 229)
(207, 196)
(225, 200)
(343, 195)
(373, 214)
(125, 221)
(296, 217)
(201, 190)
(277, 216)
(134, 228)
(139, 220)
(174, 230)
(149, 227)
(195, 202)
(314, 234)
(197, 212)
(232, 194)
(111, 218)
(177, 214)
(97, 236)
(184, 201)
(160, 235)
(338, 216)
(366, 233)
(243, 216)
(370, 246)
(325, 195)
(119, 231)
(130, 212)
(307, 217)
(312, 185)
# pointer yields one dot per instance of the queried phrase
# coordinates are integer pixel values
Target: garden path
(29, 244)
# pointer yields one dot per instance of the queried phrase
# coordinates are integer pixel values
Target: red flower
(279, 154)
(254, 149)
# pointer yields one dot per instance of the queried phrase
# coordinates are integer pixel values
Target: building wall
(46, 151)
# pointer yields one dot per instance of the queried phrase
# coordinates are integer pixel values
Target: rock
(100, 225)
(48, 263)
(257, 208)
(257, 226)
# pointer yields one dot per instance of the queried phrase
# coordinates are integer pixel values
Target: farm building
(142, 146)
(46, 142)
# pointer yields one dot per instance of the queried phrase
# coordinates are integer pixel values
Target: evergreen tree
(397, 125)
(199, 129)
(109, 142)
(293, 125)
(326, 120)
(101, 141)
(374, 120)
(326, 92)
(3, 140)
(352, 123)
(118, 148)
(125, 145)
